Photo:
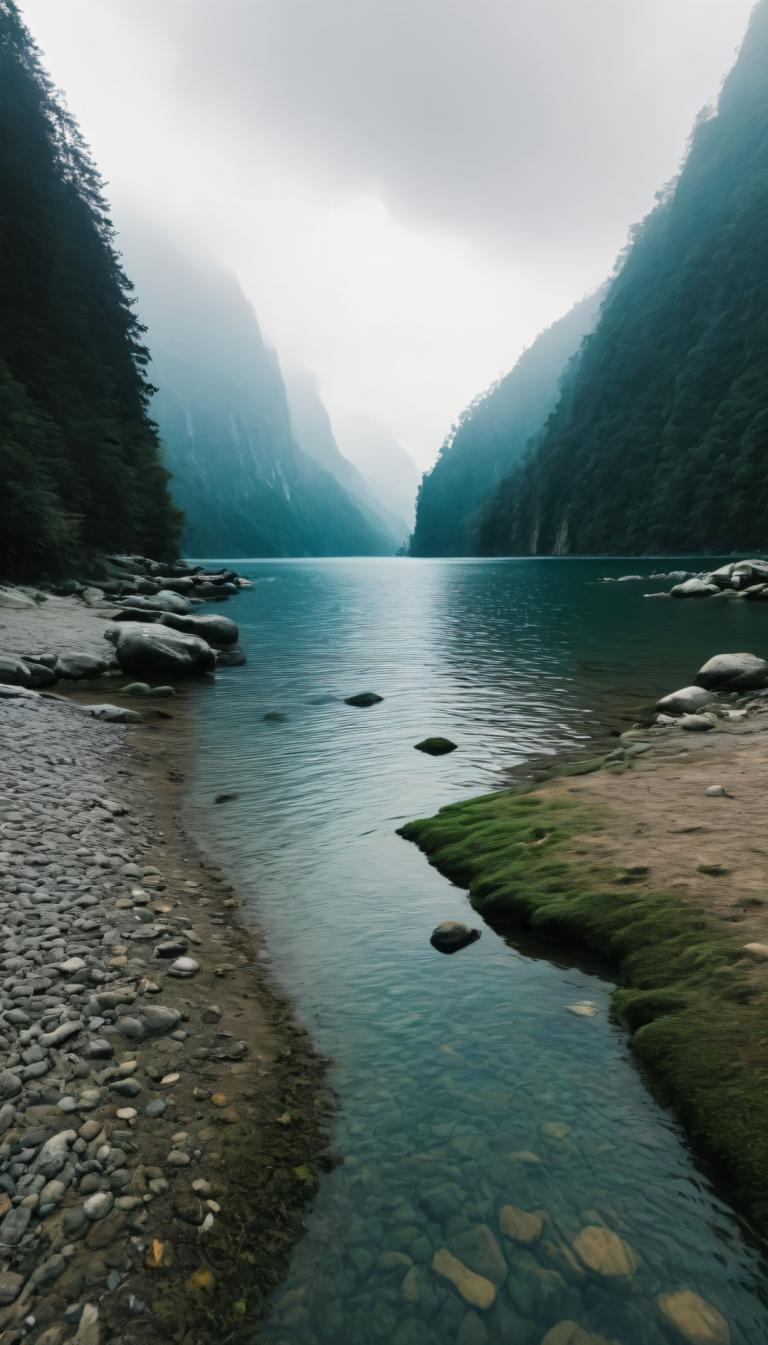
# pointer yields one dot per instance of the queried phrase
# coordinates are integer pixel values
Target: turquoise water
(465, 1083)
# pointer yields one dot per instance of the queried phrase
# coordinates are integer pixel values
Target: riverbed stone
(696, 1321)
(523, 1226)
(11, 1285)
(474, 1289)
(604, 1252)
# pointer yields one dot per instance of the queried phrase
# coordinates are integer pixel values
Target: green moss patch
(688, 995)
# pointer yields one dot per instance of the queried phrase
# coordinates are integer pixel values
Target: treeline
(658, 438)
(79, 463)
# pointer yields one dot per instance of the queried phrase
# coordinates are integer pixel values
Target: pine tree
(79, 455)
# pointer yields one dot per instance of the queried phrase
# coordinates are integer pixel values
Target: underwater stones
(474, 1289)
(478, 1249)
(275, 716)
(696, 1320)
(521, 1226)
(570, 1333)
(436, 747)
(733, 672)
(363, 699)
(451, 935)
(583, 1008)
(685, 701)
(604, 1252)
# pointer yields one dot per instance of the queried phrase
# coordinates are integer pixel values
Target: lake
(464, 1083)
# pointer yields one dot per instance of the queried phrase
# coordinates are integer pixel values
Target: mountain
(246, 487)
(390, 471)
(313, 432)
(79, 459)
(659, 442)
(491, 437)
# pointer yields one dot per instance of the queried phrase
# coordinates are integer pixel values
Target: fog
(408, 190)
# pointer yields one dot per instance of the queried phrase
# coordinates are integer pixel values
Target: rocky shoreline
(652, 855)
(162, 1115)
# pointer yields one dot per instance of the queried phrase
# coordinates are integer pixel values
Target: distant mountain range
(389, 470)
(239, 469)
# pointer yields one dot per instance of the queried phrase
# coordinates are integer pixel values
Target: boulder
(696, 723)
(76, 666)
(721, 577)
(685, 701)
(162, 601)
(41, 675)
(748, 572)
(13, 598)
(694, 588)
(451, 935)
(149, 651)
(756, 593)
(733, 672)
(113, 714)
(13, 672)
(604, 1252)
(217, 630)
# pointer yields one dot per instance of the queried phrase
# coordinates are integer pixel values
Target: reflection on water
(466, 1083)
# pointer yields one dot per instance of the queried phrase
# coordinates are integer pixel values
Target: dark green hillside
(659, 443)
(491, 436)
(79, 459)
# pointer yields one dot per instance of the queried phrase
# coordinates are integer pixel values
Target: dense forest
(491, 436)
(246, 486)
(657, 442)
(79, 458)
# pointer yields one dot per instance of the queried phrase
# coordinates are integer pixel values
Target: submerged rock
(451, 935)
(275, 716)
(733, 672)
(436, 747)
(696, 1320)
(604, 1252)
(158, 650)
(474, 1289)
(521, 1226)
(696, 723)
(364, 699)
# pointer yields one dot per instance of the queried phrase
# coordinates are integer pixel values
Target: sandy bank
(161, 1113)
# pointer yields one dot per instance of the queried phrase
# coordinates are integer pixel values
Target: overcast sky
(408, 189)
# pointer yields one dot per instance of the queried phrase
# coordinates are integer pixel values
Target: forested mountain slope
(313, 431)
(246, 487)
(659, 441)
(79, 461)
(491, 437)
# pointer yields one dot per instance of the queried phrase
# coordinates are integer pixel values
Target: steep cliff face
(245, 485)
(390, 471)
(314, 433)
(658, 442)
(491, 437)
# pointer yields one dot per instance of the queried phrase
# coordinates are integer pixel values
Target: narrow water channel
(465, 1083)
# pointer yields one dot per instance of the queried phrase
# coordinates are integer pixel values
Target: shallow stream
(465, 1083)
